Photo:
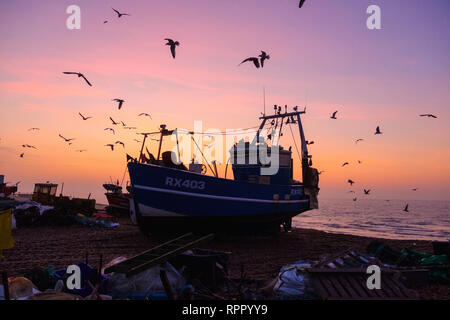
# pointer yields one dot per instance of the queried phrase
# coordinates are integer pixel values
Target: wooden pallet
(350, 284)
(158, 254)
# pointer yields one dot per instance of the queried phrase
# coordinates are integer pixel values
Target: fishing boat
(117, 200)
(167, 195)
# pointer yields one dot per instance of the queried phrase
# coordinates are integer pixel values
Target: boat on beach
(118, 201)
(168, 195)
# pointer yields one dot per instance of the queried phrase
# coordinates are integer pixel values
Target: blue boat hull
(165, 195)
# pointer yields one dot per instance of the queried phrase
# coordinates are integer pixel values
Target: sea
(426, 219)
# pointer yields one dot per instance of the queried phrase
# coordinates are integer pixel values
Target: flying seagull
(32, 129)
(415, 189)
(120, 142)
(111, 129)
(428, 115)
(345, 164)
(172, 45)
(80, 151)
(120, 101)
(378, 131)
(358, 140)
(110, 145)
(351, 181)
(334, 115)
(255, 61)
(123, 124)
(354, 199)
(263, 56)
(28, 146)
(406, 208)
(301, 3)
(309, 142)
(120, 14)
(130, 128)
(145, 114)
(351, 191)
(366, 191)
(21, 155)
(65, 139)
(84, 118)
(136, 140)
(113, 122)
(80, 75)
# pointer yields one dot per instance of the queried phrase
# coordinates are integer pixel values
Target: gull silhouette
(351, 181)
(111, 129)
(173, 45)
(345, 164)
(366, 191)
(32, 129)
(334, 115)
(84, 118)
(301, 3)
(428, 115)
(119, 14)
(120, 142)
(263, 56)
(145, 114)
(378, 131)
(113, 122)
(65, 139)
(80, 75)
(406, 208)
(253, 59)
(358, 140)
(120, 101)
(110, 145)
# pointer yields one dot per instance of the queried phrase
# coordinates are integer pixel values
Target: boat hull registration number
(182, 183)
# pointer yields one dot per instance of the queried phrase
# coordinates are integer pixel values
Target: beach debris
(293, 282)
(83, 117)
(173, 45)
(20, 288)
(94, 222)
(119, 101)
(80, 75)
(119, 14)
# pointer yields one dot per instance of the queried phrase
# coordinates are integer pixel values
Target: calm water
(426, 220)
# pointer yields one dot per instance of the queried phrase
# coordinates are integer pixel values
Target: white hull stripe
(209, 196)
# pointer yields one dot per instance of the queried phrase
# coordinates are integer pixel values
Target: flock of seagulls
(377, 132)
(257, 62)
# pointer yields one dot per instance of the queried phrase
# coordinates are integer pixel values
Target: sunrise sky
(322, 56)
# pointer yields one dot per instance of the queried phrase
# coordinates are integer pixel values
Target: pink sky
(322, 56)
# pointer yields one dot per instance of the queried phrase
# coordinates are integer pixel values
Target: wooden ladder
(158, 254)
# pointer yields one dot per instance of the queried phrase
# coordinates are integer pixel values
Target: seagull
(378, 131)
(129, 128)
(32, 129)
(366, 191)
(345, 164)
(406, 208)
(67, 140)
(415, 189)
(120, 142)
(106, 21)
(120, 101)
(136, 140)
(21, 155)
(351, 181)
(255, 61)
(428, 115)
(120, 14)
(113, 122)
(334, 115)
(172, 45)
(28, 146)
(309, 142)
(17, 183)
(80, 75)
(359, 161)
(111, 129)
(80, 151)
(351, 191)
(263, 57)
(145, 114)
(301, 3)
(354, 199)
(84, 118)
(110, 145)
(358, 140)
